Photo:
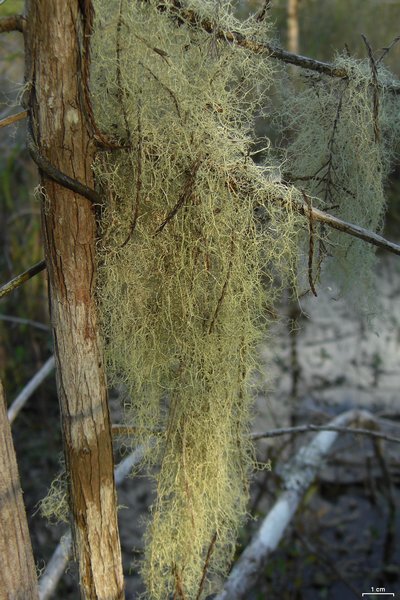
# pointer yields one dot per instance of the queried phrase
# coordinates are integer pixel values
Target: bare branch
(307, 428)
(375, 99)
(12, 23)
(11, 285)
(22, 321)
(30, 388)
(350, 229)
(299, 475)
(13, 118)
(388, 49)
(59, 560)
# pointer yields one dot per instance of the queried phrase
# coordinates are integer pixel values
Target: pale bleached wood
(30, 388)
(298, 476)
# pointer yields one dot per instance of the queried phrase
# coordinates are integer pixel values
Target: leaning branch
(306, 428)
(30, 388)
(12, 23)
(13, 118)
(11, 285)
(299, 475)
(350, 229)
(234, 37)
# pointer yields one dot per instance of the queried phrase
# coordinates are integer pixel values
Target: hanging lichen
(342, 138)
(186, 271)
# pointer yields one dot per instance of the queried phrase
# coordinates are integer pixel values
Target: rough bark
(17, 568)
(54, 40)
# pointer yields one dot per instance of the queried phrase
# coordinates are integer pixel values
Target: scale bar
(377, 594)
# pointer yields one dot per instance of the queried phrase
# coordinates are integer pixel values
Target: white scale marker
(377, 594)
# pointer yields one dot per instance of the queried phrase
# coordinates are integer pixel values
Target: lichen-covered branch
(310, 427)
(351, 229)
(177, 8)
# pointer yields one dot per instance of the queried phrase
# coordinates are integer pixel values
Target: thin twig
(388, 49)
(11, 285)
(59, 560)
(166, 88)
(223, 291)
(21, 321)
(206, 565)
(185, 196)
(307, 428)
(179, 593)
(328, 178)
(30, 388)
(375, 86)
(311, 243)
(263, 12)
(123, 430)
(121, 88)
(136, 207)
(350, 229)
(12, 23)
(13, 118)
(87, 17)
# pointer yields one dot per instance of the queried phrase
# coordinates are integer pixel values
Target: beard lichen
(342, 138)
(196, 242)
(186, 272)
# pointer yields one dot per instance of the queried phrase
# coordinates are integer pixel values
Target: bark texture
(55, 38)
(17, 567)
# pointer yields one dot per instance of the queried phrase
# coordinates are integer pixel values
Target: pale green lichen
(340, 154)
(54, 507)
(187, 272)
(196, 242)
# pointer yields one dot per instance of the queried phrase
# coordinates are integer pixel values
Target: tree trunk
(17, 567)
(54, 43)
(293, 26)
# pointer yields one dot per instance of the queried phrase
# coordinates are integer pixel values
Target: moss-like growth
(54, 507)
(186, 271)
(343, 134)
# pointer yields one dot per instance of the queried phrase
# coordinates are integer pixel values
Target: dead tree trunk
(54, 40)
(17, 568)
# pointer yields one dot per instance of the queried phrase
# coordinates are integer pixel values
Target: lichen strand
(186, 271)
(341, 153)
